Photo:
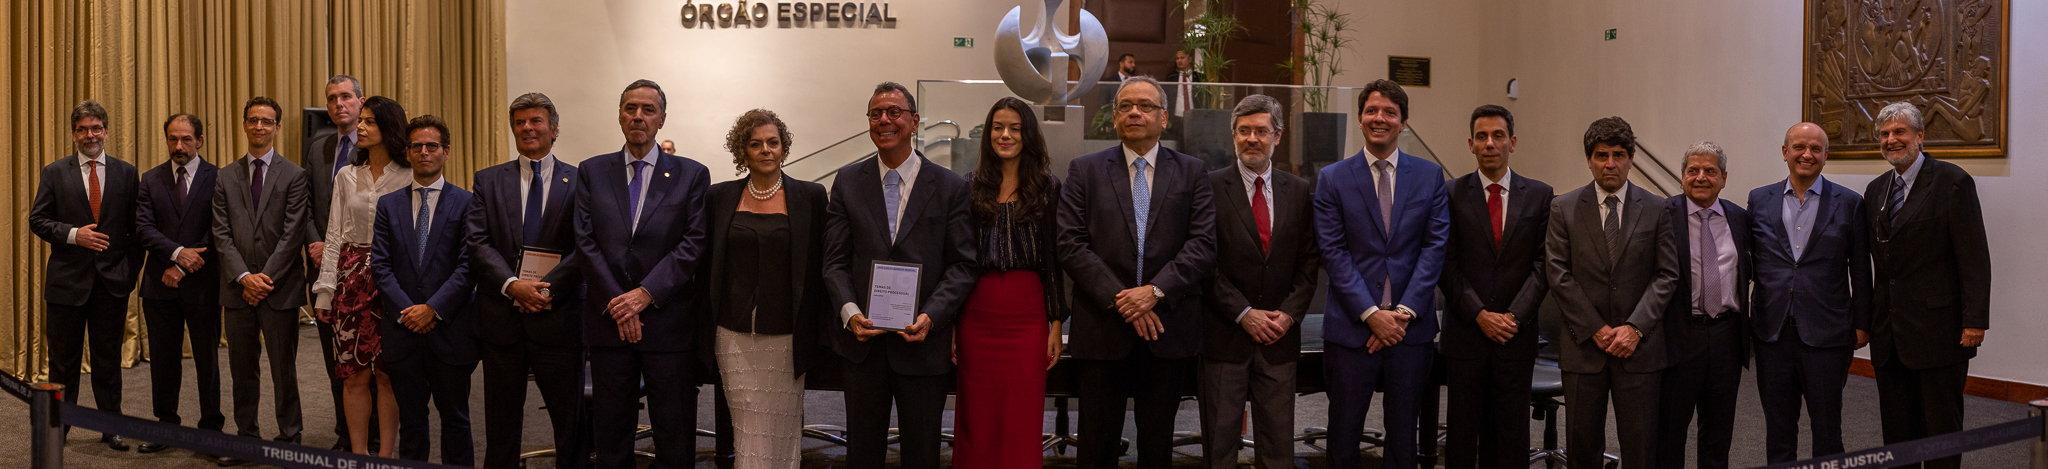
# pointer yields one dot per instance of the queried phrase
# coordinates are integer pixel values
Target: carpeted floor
(84, 451)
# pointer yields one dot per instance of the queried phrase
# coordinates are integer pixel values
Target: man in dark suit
(524, 204)
(1810, 309)
(325, 154)
(1612, 267)
(1181, 93)
(259, 212)
(1138, 271)
(639, 234)
(1383, 218)
(1494, 285)
(423, 279)
(1704, 334)
(1252, 335)
(1932, 267)
(181, 276)
(911, 211)
(85, 208)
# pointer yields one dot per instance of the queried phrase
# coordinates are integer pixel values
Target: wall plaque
(1408, 71)
(1948, 57)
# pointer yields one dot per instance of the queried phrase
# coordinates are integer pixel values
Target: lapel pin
(565, 179)
(664, 174)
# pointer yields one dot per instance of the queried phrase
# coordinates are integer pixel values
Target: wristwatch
(1158, 294)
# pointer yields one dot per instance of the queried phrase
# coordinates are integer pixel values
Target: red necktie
(92, 190)
(1493, 210)
(1259, 215)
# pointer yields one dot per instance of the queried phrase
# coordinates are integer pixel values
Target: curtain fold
(146, 60)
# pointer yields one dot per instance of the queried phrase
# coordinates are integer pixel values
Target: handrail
(822, 150)
(1432, 152)
(1654, 161)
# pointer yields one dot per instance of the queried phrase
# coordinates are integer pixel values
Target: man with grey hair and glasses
(1932, 272)
(1251, 325)
(1703, 324)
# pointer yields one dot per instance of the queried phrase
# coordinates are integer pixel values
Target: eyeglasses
(1261, 132)
(97, 129)
(425, 146)
(1142, 107)
(262, 121)
(891, 112)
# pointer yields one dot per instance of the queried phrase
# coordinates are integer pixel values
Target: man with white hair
(1704, 331)
(1932, 272)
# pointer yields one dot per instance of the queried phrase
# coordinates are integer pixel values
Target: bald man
(1811, 306)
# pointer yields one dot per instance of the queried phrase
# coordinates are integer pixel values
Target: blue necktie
(891, 189)
(348, 149)
(529, 229)
(1898, 196)
(1141, 203)
(633, 195)
(424, 220)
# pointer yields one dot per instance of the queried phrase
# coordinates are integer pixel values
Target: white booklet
(892, 295)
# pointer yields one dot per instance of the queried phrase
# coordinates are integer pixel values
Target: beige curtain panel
(147, 60)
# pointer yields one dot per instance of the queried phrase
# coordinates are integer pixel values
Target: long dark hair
(1034, 168)
(391, 126)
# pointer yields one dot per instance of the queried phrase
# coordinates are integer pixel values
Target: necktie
(424, 220)
(342, 154)
(1141, 204)
(1385, 185)
(1186, 99)
(1260, 216)
(1898, 197)
(529, 229)
(1709, 267)
(92, 189)
(256, 184)
(1613, 229)
(892, 188)
(179, 188)
(633, 195)
(1494, 207)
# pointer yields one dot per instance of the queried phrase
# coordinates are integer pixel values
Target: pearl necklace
(758, 194)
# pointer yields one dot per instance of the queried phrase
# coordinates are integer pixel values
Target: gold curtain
(146, 60)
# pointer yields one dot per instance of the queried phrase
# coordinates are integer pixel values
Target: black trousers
(1154, 383)
(618, 377)
(424, 378)
(335, 387)
(1915, 404)
(1790, 373)
(920, 403)
(1489, 412)
(258, 332)
(68, 331)
(170, 323)
(1704, 385)
(558, 372)
(1635, 398)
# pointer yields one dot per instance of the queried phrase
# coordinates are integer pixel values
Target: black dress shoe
(147, 447)
(114, 442)
(225, 461)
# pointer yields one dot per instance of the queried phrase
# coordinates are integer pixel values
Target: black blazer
(60, 205)
(162, 226)
(1098, 247)
(1281, 278)
(320, 171)
(494, 225)
(1049, 274)
(1678, 311)
(440, 280)
(661, 257)
(1932, 267)
(935, 230)
(1828, 286)
(806, 204)
(1504, 278)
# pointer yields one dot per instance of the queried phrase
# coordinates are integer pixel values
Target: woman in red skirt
(1009, 334)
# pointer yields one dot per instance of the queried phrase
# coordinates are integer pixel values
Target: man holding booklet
(922, 249)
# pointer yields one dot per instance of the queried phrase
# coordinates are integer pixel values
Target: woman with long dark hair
(1009, 332)
(345, 295)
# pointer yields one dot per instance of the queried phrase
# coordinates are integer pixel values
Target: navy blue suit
(1805, 311)
(661, 257)
(1707, 354)
(435, 365)
(1360, 255)
(163, 226)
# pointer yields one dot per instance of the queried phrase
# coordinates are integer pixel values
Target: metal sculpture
(1035, 66)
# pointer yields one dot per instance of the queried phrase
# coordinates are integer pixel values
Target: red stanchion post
(46, 429)
(2041, 444)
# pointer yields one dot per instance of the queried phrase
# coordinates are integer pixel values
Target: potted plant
(1206, 129)
(1323, 42)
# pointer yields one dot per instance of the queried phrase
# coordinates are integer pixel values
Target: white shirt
(1151, 157)
(99, 172)
(341, 157)
(1620, 203)
(1393, 173)
(1251, 184)
(269, 159)
(547, 171)
(352, 218)
(191, 171)
(1507, 177)
(433, 199)
(646, 179)
(1186, 99)
(907, 171)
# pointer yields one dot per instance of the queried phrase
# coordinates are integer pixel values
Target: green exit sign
(1610, 34)
(967, 42)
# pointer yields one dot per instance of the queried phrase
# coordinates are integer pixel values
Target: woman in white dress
(345, 295)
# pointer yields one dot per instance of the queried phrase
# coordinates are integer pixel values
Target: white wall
(1449, 34)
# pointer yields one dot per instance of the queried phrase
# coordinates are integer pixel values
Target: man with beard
(180, 277)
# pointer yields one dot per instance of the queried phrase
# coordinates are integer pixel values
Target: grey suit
(1595, 289)
(262, 236)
